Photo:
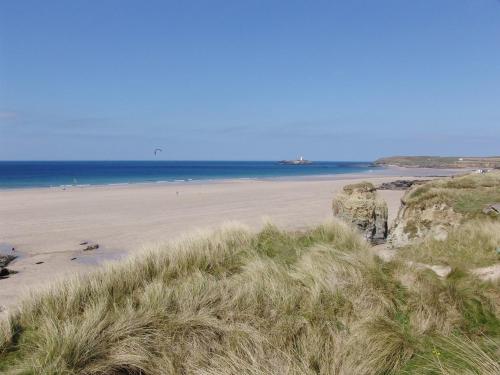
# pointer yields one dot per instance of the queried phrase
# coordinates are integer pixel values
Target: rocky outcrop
(415, 222)
(4, 262)
(358, 204)
(493, 208)
(400, 184)
(436, 207)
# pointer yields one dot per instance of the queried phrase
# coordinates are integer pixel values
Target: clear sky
(248, 79)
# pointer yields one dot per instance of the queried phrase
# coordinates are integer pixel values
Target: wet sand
(49, 224)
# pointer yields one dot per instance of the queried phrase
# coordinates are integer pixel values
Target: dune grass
(274, 302)
(457, 355)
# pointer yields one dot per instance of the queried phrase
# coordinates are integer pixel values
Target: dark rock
(39, 262)
(91, 247)
(4, 272)
(73, 258)
(83, 243)
(5, 260)
(400, 184)
(381, 230)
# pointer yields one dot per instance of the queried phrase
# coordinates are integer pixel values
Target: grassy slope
(267, 303)
(467, 194)
(472, 244)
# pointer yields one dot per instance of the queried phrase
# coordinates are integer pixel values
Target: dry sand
(48, 224)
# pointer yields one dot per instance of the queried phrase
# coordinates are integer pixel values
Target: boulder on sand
(5, 260)
(358, 204)
(4, 272)
(400, 184)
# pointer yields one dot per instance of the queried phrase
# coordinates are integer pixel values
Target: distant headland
(440, 162)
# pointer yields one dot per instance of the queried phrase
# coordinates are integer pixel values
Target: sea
(31, 174)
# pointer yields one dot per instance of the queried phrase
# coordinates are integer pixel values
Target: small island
(299, 161)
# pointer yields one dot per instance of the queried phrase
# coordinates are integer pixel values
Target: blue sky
(248, 80)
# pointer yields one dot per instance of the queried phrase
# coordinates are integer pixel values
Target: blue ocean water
(26, 174)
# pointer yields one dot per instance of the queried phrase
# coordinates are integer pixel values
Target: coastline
(66, 174)
(384, 171)
(47, 226)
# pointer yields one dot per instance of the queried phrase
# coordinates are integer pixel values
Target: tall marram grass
(458, 355)
(234, 302)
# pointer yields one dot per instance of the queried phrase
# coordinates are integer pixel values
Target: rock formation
(358, 204)
(492, 209)
(4, 262)
(417, 220)
(400, 184)
(436, 207)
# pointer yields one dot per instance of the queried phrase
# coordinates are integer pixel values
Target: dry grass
(233, 302)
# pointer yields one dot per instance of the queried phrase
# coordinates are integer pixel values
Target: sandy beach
(47, 226)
